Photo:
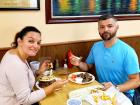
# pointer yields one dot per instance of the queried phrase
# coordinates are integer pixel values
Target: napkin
(121, 99)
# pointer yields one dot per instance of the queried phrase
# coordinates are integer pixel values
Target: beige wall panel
(12, 21)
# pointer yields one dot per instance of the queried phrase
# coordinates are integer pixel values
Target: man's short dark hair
(107, 16)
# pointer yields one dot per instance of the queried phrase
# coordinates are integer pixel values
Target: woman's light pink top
(16, 82)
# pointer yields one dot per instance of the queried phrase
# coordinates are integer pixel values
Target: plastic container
(74, 101)
(34, 65)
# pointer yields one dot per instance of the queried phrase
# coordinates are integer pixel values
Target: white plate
(78, 80)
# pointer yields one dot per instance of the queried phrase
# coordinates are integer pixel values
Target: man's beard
(106, 36)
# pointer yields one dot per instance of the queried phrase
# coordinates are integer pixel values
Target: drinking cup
(74, 101)
(34, 65)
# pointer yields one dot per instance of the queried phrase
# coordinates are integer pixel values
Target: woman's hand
(59, 83)
(44, 66)
(56, 85)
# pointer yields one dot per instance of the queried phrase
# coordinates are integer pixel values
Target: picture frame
(53, 15)
(19, 5)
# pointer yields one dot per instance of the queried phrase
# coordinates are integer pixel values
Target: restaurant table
(60, 97)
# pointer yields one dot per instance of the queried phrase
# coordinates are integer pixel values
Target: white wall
(13, 21)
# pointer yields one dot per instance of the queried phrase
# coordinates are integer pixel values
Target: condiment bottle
(65, 63)
(56, 64)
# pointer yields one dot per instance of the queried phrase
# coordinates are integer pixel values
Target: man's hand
(75, 60)
(107, 85)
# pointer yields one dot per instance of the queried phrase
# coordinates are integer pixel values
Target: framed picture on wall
(73, 11)
(19, 4)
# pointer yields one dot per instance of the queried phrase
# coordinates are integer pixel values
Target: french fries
(99, 95)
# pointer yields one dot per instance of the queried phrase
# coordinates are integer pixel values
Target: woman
(16, 76)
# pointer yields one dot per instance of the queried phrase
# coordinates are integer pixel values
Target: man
(116, 62)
